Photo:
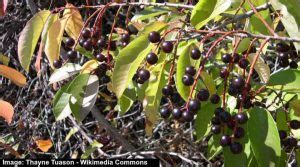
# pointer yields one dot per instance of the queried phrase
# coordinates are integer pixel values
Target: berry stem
(172, 68)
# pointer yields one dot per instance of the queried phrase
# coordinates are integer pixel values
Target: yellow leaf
(4, 59)
(15, 76)
(74, 21)
(30, 36)
(6, 111)
(89, 66)
(44, 145)
(53, 41)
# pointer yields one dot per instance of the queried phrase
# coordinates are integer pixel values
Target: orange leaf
(6, 111)
(15, 76)
(3, 6)
(44, 145)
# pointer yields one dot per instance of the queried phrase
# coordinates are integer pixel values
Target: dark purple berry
(144, 74)
(225, 116)
(125, 38)
(238, 83)
(295, 124)
(282, 47)
(188, 116)
(70, 42)
(100, 57)
(225, 140)
(293, 64)
(224, 73)
(72, 55)
(236, 148)
(239, 132)
(284, 63)
(113, 45)
(167, 90)
(88, 45)
(216, 129)
(283, 56)
(292, 142)
(167, 46)
(194, 105)
(243, 63)
(241, 118)
(190, 70)
(282, 134)
(132, 29)
(101, 43)
(86, 33)
(154, 37)
(109, 58)
(187, 80)
(195, 54)
(236, 58)
(215, 99)
(57, 64)
(218, 111)
(81, 42)
(215, 121)
(103, 67)
(165, 112)
(203, 95)
(176, 113)
(151, 58)
(226, 58)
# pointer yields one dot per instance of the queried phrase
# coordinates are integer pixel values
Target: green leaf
(29, 37)
(209, 82)
(262, 69)
(287, 80)
(149, 13)
(4, 59)
(281, 120)
(94, 146)
(51, 19)
(290, 17)
(264, 137)
(283, 159)
(184, 60)
(62, 109)
(131, 57)
(65, 72)
(71, 133)
(153, 95)
(126, 100)
(298, 156)
(214, 147)
(203, 119)
(206, 10)
(84, 89)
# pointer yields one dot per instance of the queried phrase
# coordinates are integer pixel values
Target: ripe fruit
(295, 124)
(225, 140)
(151, 58)
(86, 33)
(113, 45)
(88, 45)
(243, 63)
(167, 46)
(144, 75)
(194, 105)
(176, 113)
(282, 47)
(81, 42)
(125, 38)
(238, 82)
(293, 64)
(132, 29)
(165, 112)
(216, 129)
(218, 111)
(187, 80)
(103, 67)
(188, 116)
(224, 73)
(195, 54)
(292, 142)
(225, 116)
(236, 58)
(154, 37)
(282, 134)
(215, 99)
(283, 56)
(284, 63)
(101, 43)
(190, 70)
(109, 58)
(241, 118)
(236, 148)
(203, 95)
(72, 55)
(167, 90)
(100, 57)
(239, 132)
(215, 121)
(226, 58)
(57, 64)
(70, 42)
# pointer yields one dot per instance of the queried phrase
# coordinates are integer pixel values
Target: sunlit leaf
(290, 83)
(29, 37)
(74, 21)
(6, 111)
(262, 69)
(15, 76)
(89, 66)
(65, 72)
